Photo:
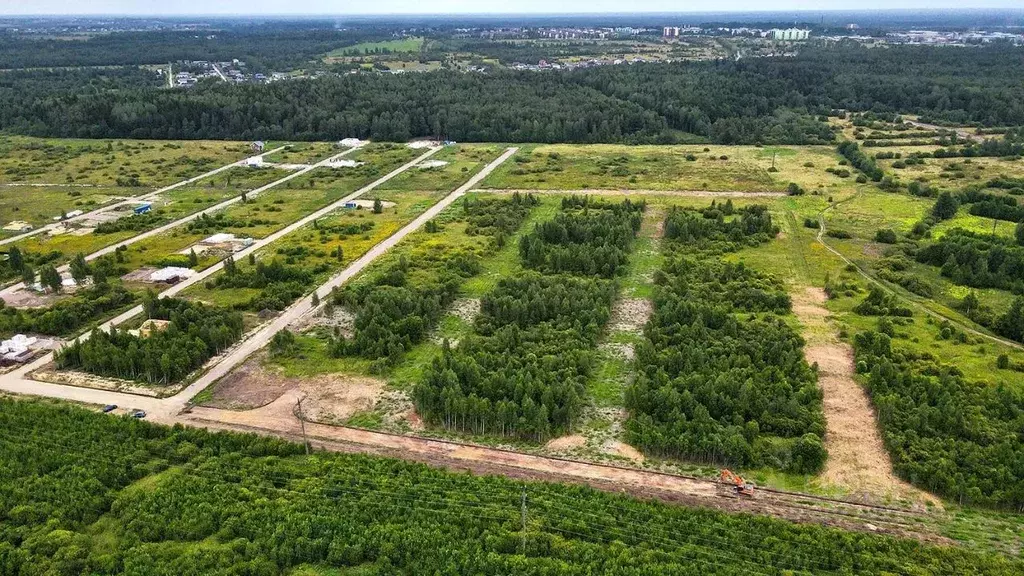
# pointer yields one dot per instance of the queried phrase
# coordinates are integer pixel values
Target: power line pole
(522, 514)
(302, 422)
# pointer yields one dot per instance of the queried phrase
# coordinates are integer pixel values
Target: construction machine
(739, 486)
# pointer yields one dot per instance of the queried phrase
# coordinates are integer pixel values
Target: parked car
(138, 413)
(109, 408)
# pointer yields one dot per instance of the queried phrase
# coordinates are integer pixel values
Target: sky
(341, 7)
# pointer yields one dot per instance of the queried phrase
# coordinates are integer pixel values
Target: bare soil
(630, 314)
(466, 309)
(566, 443)
(329, 398)
(49, 373)
(857, 459)
(624, 450)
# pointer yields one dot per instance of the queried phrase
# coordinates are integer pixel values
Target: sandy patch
(857, 458)
(49, 373)
(466, 309)
(619, 350)
(630, 314)
(334, 317)
(566, 443)
(624, 450)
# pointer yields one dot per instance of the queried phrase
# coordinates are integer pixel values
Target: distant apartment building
(671, 32)
(790, 34)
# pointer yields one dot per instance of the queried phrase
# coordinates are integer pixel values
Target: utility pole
(522, 514)
(773, 159)
(302, 422)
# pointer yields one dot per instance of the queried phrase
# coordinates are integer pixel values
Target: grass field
(698, 167)
(136, 163)
(303, 153)
(38, 205)
(403, 45)
(463, 160)
(170, 206)
(956, 173)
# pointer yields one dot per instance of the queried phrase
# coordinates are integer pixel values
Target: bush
(885, 236)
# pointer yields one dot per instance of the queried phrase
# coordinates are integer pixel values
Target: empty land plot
(714, 168)
(402, 45)
(461, 162)
(38, 205)
(133, 163)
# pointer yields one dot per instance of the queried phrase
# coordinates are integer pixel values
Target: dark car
(138, 413)
(109, 408)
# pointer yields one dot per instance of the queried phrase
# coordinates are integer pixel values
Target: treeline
(248, 504)
(994, 206)
(720, 376)
(395, 310)
(192, 335)
(523, 371)
(953, 437)
(769, 101)
(263, 47)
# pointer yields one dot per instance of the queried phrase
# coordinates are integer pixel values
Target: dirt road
(279, 419)
(962, 133)
(128, 202)
(610, 192)
(305, 305)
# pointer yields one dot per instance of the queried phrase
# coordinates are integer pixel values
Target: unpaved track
(857, 459)
(279, 419)
(130, 201)
(186, 219)
(610, 192)
(17, 382)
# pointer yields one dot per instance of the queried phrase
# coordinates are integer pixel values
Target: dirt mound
(624, 450)
(566, 443)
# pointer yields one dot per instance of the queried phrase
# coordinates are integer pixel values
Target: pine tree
(193, 258)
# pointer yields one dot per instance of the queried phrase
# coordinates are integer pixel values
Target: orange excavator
(739, 486)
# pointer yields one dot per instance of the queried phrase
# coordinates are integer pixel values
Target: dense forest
(193, 333)
(395, 310)
(950, 436)
(766, 100)
(82, 493)
(523, 371)
(977, 260)
(721, 377)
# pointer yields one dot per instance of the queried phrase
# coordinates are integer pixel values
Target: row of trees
(193, 334)
(860, 160)
(721, 376)
(523, 371)
(395, 310)
(279, 284)
(248, 504)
